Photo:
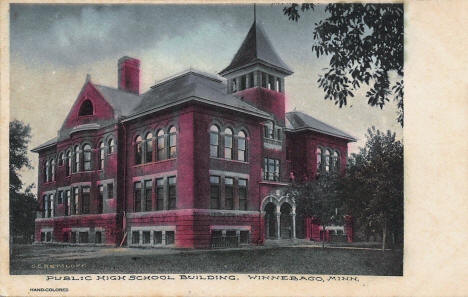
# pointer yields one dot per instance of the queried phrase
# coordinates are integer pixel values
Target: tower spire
(255, 12)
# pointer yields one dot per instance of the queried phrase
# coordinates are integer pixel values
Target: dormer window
(86, 108)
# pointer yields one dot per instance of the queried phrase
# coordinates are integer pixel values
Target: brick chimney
(129, 75)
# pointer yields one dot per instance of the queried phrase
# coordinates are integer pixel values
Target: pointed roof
(298, 121)
(256, 47)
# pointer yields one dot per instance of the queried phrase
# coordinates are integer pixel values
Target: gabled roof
(256, 47)
(48, 143)
(121, 101)
(192, 85)
(299, 121)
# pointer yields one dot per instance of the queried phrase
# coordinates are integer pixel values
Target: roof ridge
(184, 73)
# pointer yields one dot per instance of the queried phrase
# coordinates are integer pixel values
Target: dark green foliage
(365, 44)
(20, 135)
(372, 190)
(23, 205)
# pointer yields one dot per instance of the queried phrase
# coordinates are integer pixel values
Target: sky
(54, 47)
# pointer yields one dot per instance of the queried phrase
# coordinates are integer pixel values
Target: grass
(284, 260)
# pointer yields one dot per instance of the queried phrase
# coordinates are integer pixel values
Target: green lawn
(297, 260)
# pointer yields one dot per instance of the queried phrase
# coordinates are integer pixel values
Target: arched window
(61, 159)
(69, 163)
(214, 141)
(87, 157)
(102, 154)
(319, 159)
(111, 146)
(327, 160)
(77, 159)
(336, 161)
(241, 146)
(138, 150)
(46, 171)
(161, 139)
(52, 170)
(86, 108)
(149, 147)
(268, 129)
(172, 142)
(228, 143)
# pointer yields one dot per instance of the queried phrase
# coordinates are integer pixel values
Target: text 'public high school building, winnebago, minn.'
(198, 160)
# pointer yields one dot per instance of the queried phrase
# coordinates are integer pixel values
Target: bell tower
(257, 73)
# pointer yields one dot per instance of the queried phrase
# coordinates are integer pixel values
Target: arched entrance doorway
(279, 213)
(270, 220)
(286, 221)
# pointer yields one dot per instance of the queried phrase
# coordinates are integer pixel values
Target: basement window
(170, 236)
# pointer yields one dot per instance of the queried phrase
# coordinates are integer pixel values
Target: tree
(365, 45)
(372, 189)
(23, 205)
(318, 198)
(20, 136)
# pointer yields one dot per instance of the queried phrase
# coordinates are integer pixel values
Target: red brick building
(198, 160)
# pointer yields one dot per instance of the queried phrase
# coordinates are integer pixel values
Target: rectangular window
(83, 237)
(42, 236)
(146, 237)
(73, 237)
(98, 237)
(85, 200)
(135, 237)
(244, 237)
(172, 192)
(160, 194)
(170, 236)
(65, 237)
(148, 195)
(44, 206)
(214, 192)
(48, 236)
(51, 205)
(76, 193)
(60, 197)
(242, 194)
(100, 200)
(110, 191)
(137, 197)
(157, 237)
(67, 202)
(271, 169)
(49, 212)
(229, 193)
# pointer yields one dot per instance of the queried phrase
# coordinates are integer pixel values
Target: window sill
(48, 183)
(154, 162)
(270, 182)
(229, 160)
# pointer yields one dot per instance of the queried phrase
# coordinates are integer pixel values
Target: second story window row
(148, 148)
(155, 194)
(228, 145)
(328, 160)
(80, 157)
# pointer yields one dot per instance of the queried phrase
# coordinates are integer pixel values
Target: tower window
(86, 108)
